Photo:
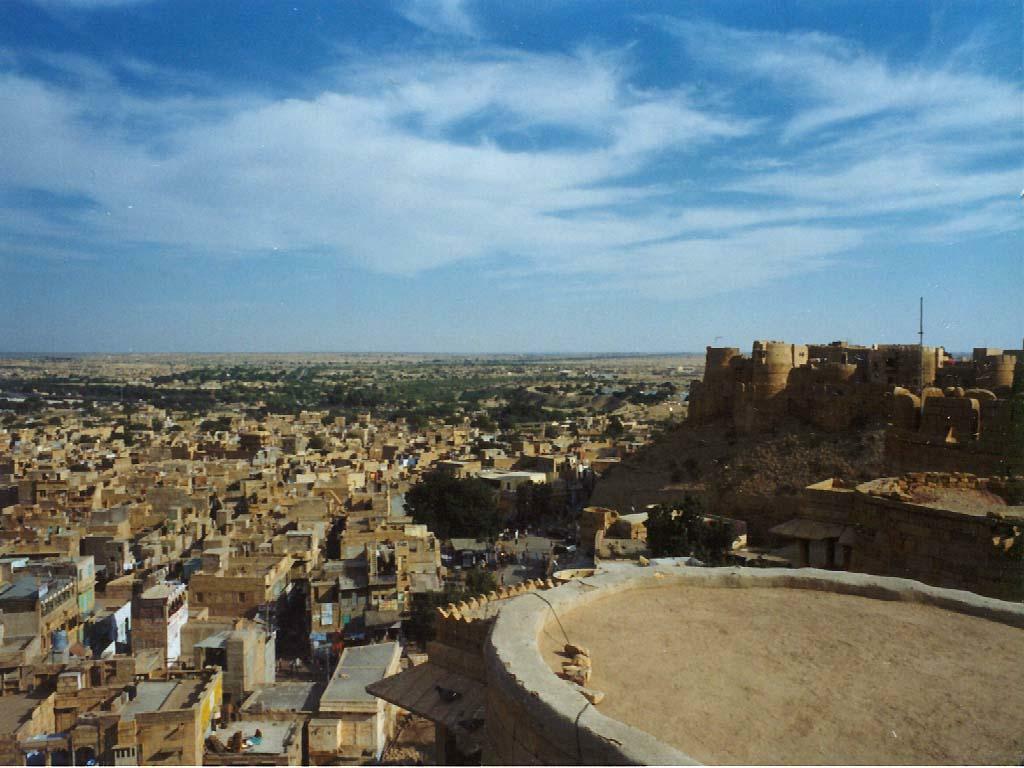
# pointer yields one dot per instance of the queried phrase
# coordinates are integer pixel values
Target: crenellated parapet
(482, 606)
(462, 628)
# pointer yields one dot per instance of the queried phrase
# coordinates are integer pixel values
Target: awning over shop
(379, 619)
(417, 690)
(809, 530)
(849, 538)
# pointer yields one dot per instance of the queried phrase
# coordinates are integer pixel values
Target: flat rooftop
(162, 695)
(358, 667)
(150, 696)
(285, 697)
(25, 587)
(161, 591)
(273, 735)
(794, 676)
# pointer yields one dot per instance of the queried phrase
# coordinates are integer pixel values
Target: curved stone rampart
(536, 718)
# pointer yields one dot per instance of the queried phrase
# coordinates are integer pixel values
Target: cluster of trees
(688, 469)
(485, 423)
(534, 505)
(683, 530)
(421, 627)
(615, 428)
(454, 507)
(18, 407)
(467, 508)
(219, 424)
(525, 407)
(236, 373)
(642, 394)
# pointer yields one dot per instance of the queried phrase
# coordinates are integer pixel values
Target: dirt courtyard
(786, 676)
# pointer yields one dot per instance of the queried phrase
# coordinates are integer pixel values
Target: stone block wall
(907, 452)
(953, 430)
(948, 549)
(779, 380)
(951, 418)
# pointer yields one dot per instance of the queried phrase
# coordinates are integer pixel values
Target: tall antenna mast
(920, 344)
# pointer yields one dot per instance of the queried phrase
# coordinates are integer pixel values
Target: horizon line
(619, 353)
(16, 354)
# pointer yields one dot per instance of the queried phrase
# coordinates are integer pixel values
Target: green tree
(421, 626)
(479, 582)
(485, 423)
(454, 507)
(524, 502)
(682, 530)
(219, 424)
(417, 421)
(534, 504)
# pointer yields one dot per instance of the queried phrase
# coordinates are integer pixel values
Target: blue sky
(520, 177)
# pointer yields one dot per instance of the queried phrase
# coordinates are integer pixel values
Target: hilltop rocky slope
(733, 470)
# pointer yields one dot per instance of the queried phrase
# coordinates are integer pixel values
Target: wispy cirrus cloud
(864, 137)
(836, 82)
(379, 168)
(444, 17)
(546, 161)
(87, 5)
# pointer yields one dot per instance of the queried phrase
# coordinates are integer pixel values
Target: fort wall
(969, 430)
(892, 535)
(832, 386)
(962, 418)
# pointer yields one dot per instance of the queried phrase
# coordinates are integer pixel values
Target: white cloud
(410, 163)
(863, 137)
(892, 181)
(87, 5)
(444, 17)
(995, 218)
(835, 82)
(342, 173)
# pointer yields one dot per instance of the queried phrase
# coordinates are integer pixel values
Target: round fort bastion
(720, 665)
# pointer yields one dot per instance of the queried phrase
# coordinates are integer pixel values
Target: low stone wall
(462, 629)
(947, 549)
(536, 718)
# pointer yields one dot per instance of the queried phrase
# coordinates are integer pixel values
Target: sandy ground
(783, 676)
